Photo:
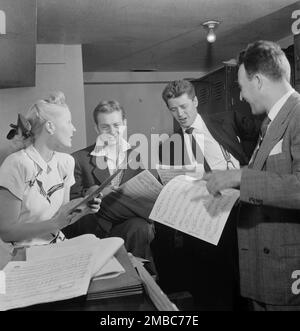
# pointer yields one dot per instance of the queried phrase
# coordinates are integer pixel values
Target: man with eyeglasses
(120, 216)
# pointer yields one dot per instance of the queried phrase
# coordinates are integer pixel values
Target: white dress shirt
(278, 105)
(210, 147)
(115, 153)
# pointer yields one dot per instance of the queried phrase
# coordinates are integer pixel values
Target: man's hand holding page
(186, 205)
(219, 180)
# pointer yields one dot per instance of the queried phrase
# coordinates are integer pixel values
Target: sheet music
(143, 185)
(185, 204)
(56, 272)
(111, 269)
(29, 283)
(86, 241)
(103, 250)
(167, 173)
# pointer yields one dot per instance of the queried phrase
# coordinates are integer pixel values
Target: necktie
(264, 127)
(117, 180)
(263, 131)
(197, 152)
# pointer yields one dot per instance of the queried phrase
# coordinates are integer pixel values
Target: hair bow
(22, 124)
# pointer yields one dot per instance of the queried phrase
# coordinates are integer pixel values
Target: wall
(286, 42)
(18, 44)
(58, 67)
(138, 93)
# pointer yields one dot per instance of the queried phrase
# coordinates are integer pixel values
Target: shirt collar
(37, 158)
(197, 124)
(109, 150)
(278, 105)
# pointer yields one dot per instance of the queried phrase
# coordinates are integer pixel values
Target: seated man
(119, 215)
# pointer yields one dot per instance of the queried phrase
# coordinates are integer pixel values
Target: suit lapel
(275, 132)
(129, 172)
(100, 174)
(231, 144)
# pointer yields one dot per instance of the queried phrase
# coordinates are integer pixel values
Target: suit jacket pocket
(290, 269)
(279, 163)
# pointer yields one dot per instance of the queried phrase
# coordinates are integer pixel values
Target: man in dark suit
(269, 217)
(211, 271)
(119, 215)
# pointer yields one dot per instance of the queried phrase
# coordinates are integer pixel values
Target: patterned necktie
(263, 131)
(197, 152)
(117, 180)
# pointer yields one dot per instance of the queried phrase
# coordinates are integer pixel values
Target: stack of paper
(103, 250)
(56, 272)
(128, 283)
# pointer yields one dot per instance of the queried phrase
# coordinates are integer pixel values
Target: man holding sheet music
(211, 270)
(268, 223)
(120, 215)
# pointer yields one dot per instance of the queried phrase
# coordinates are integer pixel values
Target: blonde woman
(35, 181)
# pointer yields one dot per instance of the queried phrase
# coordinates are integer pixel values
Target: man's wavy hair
(267, 58)
(107, 107)
(177, 88)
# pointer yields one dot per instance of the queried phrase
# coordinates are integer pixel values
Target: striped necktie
(197, 152)
(263, 131)
(117, 180)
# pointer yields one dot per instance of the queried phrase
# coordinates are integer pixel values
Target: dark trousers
(260, 306)
(123, 217)
(208, 272)
(213, 270)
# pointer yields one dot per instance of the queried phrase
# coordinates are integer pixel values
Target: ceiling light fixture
(210, 26)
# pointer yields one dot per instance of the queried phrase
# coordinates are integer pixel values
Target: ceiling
(160, 35)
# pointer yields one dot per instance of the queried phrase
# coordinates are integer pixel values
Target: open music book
(185, 204)
(143, 185)
(106, 182)
(56, 272)
(168, 172)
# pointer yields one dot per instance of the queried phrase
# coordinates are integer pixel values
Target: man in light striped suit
(269, 215)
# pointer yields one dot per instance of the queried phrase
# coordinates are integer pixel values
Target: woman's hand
(107, 190)
(65, 216)
(93, 206)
